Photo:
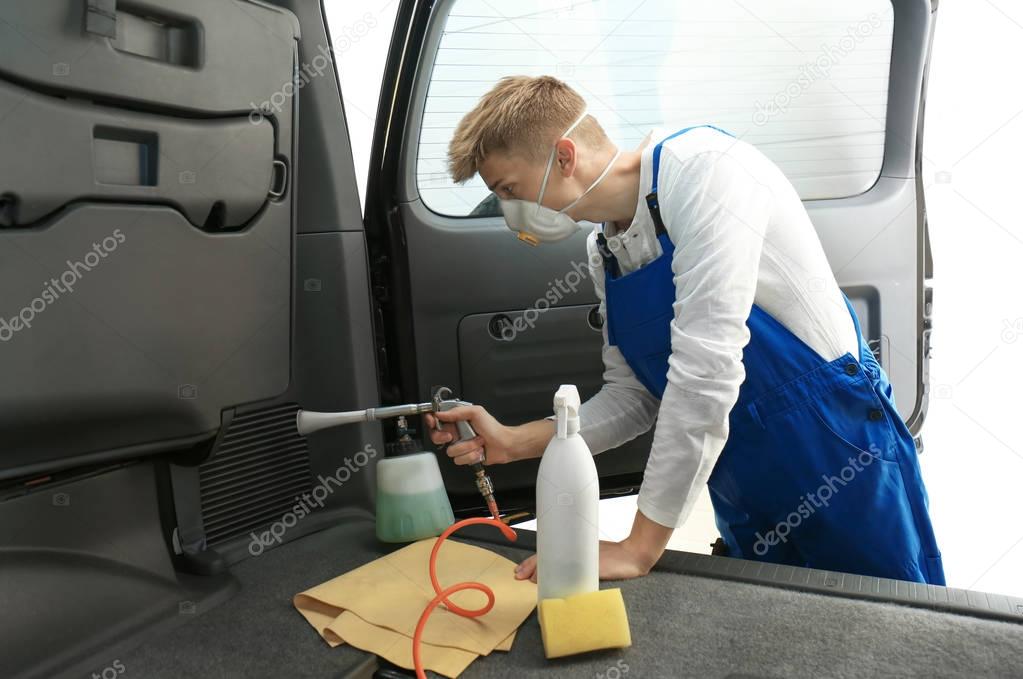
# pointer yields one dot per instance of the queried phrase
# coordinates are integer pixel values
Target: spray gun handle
(465, 430)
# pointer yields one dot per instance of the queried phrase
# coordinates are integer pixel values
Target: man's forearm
(531, 438)
(648, 540)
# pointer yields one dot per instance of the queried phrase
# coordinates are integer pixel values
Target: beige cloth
(375, 607)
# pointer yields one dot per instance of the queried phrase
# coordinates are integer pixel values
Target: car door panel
(146, 226)
(875, 239)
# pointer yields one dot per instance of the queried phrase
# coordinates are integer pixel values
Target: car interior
(186, 264)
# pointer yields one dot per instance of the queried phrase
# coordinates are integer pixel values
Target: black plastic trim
(388, 251)
(106, 456)
(830, 583)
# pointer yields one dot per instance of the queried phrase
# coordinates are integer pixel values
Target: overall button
(875, 415)
(851, 369)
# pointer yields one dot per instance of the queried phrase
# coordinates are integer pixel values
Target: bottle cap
(566, 408)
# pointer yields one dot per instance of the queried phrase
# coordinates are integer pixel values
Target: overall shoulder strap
(610, 261)
(651, 198)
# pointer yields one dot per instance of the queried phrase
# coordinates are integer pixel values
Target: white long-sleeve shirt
(741, 235)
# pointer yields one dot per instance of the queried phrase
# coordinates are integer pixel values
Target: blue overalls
(819, 469)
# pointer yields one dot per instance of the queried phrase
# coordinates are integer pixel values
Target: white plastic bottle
(567, 493)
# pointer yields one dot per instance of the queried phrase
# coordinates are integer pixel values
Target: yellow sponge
(584, 622)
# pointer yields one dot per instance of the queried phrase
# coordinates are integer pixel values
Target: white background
(973, 462)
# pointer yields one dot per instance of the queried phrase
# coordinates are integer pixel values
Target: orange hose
(443, 594)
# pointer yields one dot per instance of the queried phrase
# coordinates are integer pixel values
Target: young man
(725, 330)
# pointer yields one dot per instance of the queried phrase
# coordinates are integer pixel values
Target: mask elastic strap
(596, 181)
(550, 159)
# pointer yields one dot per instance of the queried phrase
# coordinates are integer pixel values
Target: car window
(806, 81)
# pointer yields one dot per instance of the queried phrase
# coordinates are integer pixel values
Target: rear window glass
(806, 81)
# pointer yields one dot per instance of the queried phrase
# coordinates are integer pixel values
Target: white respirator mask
(537, 224)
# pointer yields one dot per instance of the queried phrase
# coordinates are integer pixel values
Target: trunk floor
(681, 626)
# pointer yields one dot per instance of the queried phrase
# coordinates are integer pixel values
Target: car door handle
(501, 328)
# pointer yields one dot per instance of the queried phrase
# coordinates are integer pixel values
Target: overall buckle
(610, 261)
(655, 213)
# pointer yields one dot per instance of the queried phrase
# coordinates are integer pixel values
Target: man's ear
(565, 156)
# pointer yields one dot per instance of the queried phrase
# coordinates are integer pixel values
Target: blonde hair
(520, 115)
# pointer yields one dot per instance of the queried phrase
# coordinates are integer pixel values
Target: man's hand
(632, 557)
(491, 436)
(618, 561)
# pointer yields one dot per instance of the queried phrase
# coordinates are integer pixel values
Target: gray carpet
(682, 626)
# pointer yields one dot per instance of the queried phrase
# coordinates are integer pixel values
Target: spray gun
(309, 421)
